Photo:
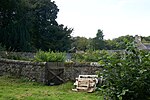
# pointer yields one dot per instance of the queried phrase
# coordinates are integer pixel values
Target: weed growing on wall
(89, 56)
(42, 56)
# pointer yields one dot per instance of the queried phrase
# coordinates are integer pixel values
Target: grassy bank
(21, 89)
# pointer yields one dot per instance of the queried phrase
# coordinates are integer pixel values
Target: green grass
(21, 89)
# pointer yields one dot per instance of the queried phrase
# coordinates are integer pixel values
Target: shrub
(50, 56)
(89, 56)
(127, 77)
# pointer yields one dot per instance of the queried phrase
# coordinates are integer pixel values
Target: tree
(14, 25)
(98, 41)
(119, 43)
(30, 25)
(80, 43)
(110, 45)
(59, 38)
(46, 32)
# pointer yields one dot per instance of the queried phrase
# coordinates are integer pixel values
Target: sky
(115, 17)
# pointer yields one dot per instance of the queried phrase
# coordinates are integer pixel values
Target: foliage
(46, 32)
(12, 88)
(84, 44)
(2, 48)
(14, 25)
(80, 43)
(119, 43)
(146, 39)
(50, 56)
(127, 75)
(30, 25)
(89, 56)
(98, 41)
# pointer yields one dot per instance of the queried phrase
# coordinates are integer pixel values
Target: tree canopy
(98, 41)
(29, 25)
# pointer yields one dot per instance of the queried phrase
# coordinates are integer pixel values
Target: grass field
(21, 89)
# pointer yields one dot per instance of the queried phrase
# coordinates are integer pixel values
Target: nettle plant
(42, 56)
(127, 76)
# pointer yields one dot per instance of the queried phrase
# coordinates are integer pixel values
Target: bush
(89, 56)
(50, 56)
(127, 76)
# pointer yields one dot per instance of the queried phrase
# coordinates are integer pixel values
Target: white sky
(115, 17)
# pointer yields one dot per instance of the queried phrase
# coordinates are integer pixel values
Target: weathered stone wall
(39, 72)
(73, 70)
(31, 70)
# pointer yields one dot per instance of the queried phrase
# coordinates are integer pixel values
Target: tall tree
(46, 32)
(14, 25)
(43, 18)
(98, 41)
(31, 25)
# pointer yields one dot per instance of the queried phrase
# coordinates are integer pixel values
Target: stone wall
(31, 70)
(73, 70)
(38, 71)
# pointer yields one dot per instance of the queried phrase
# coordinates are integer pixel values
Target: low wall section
(31, 70)
(38, 71)
(73, 70)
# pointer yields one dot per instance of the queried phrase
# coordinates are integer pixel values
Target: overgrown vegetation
(50, 56)
(127, 76)
(21, 89)
(126, 73)
(30, 25)
(41, 56)
(99, 43)
(89, 56)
